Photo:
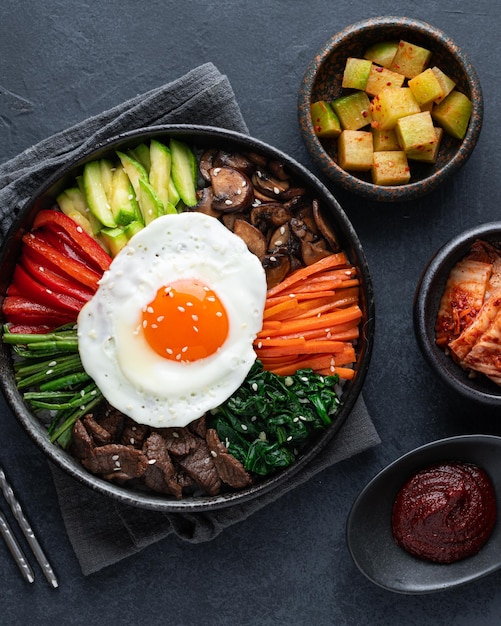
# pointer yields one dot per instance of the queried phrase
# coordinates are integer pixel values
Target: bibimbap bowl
(331, 225)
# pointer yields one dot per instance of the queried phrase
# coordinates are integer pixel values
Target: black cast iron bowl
(202, 137)
(322, 81)
(426, 303)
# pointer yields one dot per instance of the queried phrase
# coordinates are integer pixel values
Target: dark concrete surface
(61, 61)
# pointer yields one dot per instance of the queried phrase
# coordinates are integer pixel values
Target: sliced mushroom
(300, 229)
(258, 159)
(312, 252)
(232, 189)
(276, 266)
(207, 163)
(277, 170)
(253, 237)
(269, 186)
(235, 160)
(325, 227)
(229, 219)
(204, 205)
(280, 237)
(269, 214)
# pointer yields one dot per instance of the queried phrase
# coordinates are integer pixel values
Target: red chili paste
(445, 513)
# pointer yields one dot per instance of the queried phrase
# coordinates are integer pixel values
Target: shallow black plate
(369, 534)
(200, 136)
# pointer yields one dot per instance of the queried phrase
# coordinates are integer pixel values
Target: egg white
(131, 375)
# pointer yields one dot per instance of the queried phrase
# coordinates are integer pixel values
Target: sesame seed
(152, 461)
(195, 329)
(189, 304)
(79, 229)
(216, 171)
(115, 457)
(282, 230)
(260, 344)
(160, 318)
(149, 309)
(211, 299)
(181, 309)
(289, 438)
(194, 318)
(219, 314)
(48, 372)
(213, 453)
(52, 363)
(175, 434)
(254, 387)
(276, 190)
(184, 349)
(243, 426)
(132, 440)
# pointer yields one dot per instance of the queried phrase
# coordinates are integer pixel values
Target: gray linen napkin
(100, 530)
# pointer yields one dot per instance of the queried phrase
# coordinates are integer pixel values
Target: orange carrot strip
(295, 348)
(346, 373)
(324, 321)
(279, 308)
(327, 293)
(303, 273)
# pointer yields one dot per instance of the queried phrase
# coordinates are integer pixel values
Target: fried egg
(168, 335)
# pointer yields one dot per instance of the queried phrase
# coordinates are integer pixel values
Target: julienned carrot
(328, 320)
(311, 320)
(298, 276)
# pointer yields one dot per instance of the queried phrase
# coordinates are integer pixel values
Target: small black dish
(369, 533)
(426, 303)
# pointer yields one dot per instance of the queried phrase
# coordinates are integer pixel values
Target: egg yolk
(185, 321)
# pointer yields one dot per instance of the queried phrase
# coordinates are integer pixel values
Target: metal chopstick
(15, 549)
(24, 525)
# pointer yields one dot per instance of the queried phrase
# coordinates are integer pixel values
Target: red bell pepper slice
(55, 259)
(18, 310)
(32, 289)
(55, 281)
(87, 246)
(27, 329)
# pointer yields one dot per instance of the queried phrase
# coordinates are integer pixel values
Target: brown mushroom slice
(235, 160)
(276, 266)
(254, 238)
(325, 227)
(300, 228)
(207, 163)
(280, 237)
(269, 214)
(277, 170)
(205, 197)
(257, 159)
(269, 186)
(229, 219)
(313, 251)
(232, 189)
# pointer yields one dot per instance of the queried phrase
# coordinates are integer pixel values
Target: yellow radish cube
(325, 121)
(453, 114)
(416, 132)
(353, 110)
(426, 87)
(380, 77)
(410, 59)
(390, 168)
(355, 150)
(382, 52)
(429, 155)
(356, 72)
(384, 140)
(446, 81)
(391, 104)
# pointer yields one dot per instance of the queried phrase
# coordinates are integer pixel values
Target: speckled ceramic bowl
(322, 81)
(426, 303)
(200, 137)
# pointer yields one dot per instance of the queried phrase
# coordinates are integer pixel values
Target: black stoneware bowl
(369, 533)
(201, 137)
(322, 81)
(426, 303)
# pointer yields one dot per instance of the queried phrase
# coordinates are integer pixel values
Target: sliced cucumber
(124, 206)
(95, 194)
(107, 168)
(160, 170)
(150, 204)
(134, 227)
(115, 239)
(135, 171)
(184, 171)
(142, 154)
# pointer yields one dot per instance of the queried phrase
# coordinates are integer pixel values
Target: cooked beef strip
(179, 441)
(199, 427)
(199, 465)
(112, 420)
(100, 435)
(115, 457)
(159, 475)
(134, 434)
(230, 470)
(82, 443)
